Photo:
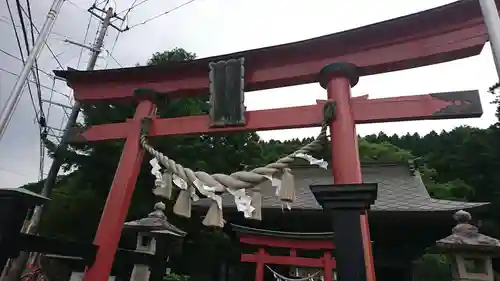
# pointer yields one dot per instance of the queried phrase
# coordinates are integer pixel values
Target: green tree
(462, 164)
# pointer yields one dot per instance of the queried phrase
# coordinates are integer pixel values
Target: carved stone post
(470, 251)
(347, 202)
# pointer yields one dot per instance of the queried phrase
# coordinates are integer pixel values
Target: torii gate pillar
(337, 79)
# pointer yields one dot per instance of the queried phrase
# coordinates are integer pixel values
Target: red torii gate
(327, 263)
(438, 35)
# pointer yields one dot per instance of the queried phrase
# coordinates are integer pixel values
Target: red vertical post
(327, 267)
(259, 269)
(338, 78)
(119, 197)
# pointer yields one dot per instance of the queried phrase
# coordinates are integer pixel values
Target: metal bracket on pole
(90, 48)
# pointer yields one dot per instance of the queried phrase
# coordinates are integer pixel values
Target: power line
(4, 19)
(41, 116)
(15, 31)
(42, 121)
(113, 58)
(19, 59)
(134, 5)
(41, 85)
(84, 40)
(76, 6)
(162, 14)
(50, 97)
(46, 44)
(10, 55)
(30, 17)
(125, 18)
(21, 53)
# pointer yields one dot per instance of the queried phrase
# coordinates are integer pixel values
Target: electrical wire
(50, 97)
(5, 20)
(46, 44)
(22, 56)
(32, 81)
(19, 59)
(39, 114)
(125, 18)
(134, 5)
(42, 121)
(162, 14)
(84, 40)
(116, 39)
(76, 6)
(113, 58)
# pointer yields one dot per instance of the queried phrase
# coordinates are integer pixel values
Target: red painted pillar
(327, 266)
(118, 202)
(338, 78)
(259, 269)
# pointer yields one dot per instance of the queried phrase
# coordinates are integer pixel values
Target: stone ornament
(470, 251)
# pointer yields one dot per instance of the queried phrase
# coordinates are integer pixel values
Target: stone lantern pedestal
(470, 251)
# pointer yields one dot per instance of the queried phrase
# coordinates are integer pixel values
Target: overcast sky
(214, 27)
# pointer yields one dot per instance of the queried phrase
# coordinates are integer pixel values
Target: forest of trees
(462, 164)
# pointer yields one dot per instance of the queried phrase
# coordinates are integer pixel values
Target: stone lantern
(470, 251)
(152, 239)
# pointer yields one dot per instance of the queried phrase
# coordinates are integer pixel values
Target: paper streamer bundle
(163, 182)
(286, 191)
(256, 203)
(214, 215)
(248, 202)
(182, 205)
(242, 201)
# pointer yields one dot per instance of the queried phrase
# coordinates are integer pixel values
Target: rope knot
(329, 111)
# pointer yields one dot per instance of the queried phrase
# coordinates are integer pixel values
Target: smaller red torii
(326, 262)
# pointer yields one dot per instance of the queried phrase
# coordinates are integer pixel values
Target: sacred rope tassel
(257, 202)
(214, 216)
(182, 206)
(165, 190)
(287, 189)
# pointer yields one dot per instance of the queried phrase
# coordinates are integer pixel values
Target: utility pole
(492, 22)
(15, 95)
(56, 164)
(18, 266)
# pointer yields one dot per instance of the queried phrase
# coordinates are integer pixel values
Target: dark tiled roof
(399, 190)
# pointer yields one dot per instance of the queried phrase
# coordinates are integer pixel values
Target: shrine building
(404, 221)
